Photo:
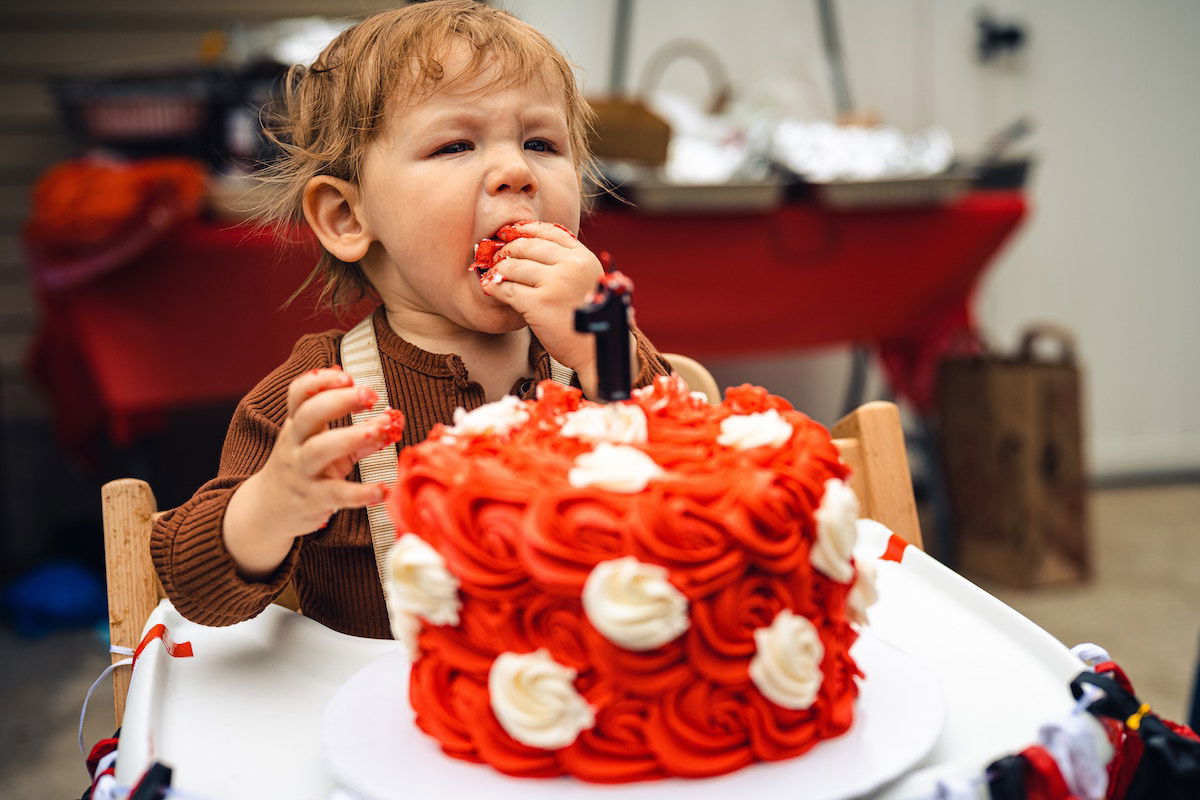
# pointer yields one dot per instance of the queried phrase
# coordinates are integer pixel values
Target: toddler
(415, 135)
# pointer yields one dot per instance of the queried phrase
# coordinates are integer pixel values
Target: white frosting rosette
(498, 417)
(746, 431)
(786, 666)
(633, 604)
(420, 583)
(616, 422)
(615, 467)
(837, 531)
(405, 627)
(534, 699)
(863, 594)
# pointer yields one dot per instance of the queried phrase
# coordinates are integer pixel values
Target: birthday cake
(652, 588)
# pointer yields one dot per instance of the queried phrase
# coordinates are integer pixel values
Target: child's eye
(454, 147)
(541, 146)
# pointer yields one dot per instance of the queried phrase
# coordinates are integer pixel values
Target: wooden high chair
(129, 511)
(870, 440)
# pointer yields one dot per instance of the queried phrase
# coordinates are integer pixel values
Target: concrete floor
(1143, 606)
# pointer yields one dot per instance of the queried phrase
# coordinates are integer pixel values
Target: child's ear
(333, 209)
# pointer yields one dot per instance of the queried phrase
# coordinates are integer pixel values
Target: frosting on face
(787, 663)
(744, 431)
(534, 699)
(837, 531)
(491, 418)
(615, 467)
(616, 423)
(421, 584)
(633, 604)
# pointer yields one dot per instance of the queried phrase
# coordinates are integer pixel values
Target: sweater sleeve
(196, 570)
(651, 363)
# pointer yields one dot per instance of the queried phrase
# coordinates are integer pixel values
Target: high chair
(695, 375)
(869, 439)
(129, 511)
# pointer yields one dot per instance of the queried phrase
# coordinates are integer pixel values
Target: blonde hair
(331, 111)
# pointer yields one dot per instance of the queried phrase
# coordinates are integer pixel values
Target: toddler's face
(449, 171)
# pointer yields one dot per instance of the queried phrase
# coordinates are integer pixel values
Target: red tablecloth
(804, 275)
(197, 319)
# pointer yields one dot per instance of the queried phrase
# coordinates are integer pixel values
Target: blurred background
(841, 201)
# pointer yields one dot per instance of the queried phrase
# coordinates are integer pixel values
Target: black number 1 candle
(606, 315)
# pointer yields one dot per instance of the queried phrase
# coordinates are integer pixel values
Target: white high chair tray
(243, 718)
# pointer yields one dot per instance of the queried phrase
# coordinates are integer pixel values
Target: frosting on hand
(615, 467)
(744, 431)
(837, 531)
(535, 701)
(787, 665)
(420, 582)
(633, 604)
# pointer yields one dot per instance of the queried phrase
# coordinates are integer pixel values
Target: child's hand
(545, 278)
(304, 481)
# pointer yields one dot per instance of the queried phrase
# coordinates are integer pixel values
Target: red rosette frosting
(569, 532)
(748, 399)
(481, 542)
(554, 623)
(686, 535)
(502, 751)
(485, 630)
(720, 642)
(643, 673)
(701, 730)
(615, 750)
(442, 697)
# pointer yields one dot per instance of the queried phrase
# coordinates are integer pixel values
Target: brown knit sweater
(333, 569)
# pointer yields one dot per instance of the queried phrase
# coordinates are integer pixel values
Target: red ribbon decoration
(159, 631)
(895, 549)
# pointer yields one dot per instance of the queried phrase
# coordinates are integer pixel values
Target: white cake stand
(374, 751)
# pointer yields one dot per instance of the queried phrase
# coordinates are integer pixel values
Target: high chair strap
(560, 373)
(360, 359)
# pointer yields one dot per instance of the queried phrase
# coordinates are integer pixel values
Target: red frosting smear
(392, 430)
(733, 528)
(486, 249)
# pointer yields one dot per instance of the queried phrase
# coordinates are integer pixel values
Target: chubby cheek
(495, 318)
(563, 201)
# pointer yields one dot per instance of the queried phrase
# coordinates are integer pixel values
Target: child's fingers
(541, 250)
(351, 494)
(521, 297)
(342, 448)
(314, 382)
(518, 270)
(315, 413)
(550, 231)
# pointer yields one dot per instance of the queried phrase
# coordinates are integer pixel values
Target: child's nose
(511, 173)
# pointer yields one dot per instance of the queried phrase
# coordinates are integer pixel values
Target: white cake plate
(374, 750)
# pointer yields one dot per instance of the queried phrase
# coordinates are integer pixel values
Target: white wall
(1110, 247)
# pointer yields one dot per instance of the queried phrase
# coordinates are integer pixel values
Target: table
(197, 318)
(243, 716)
